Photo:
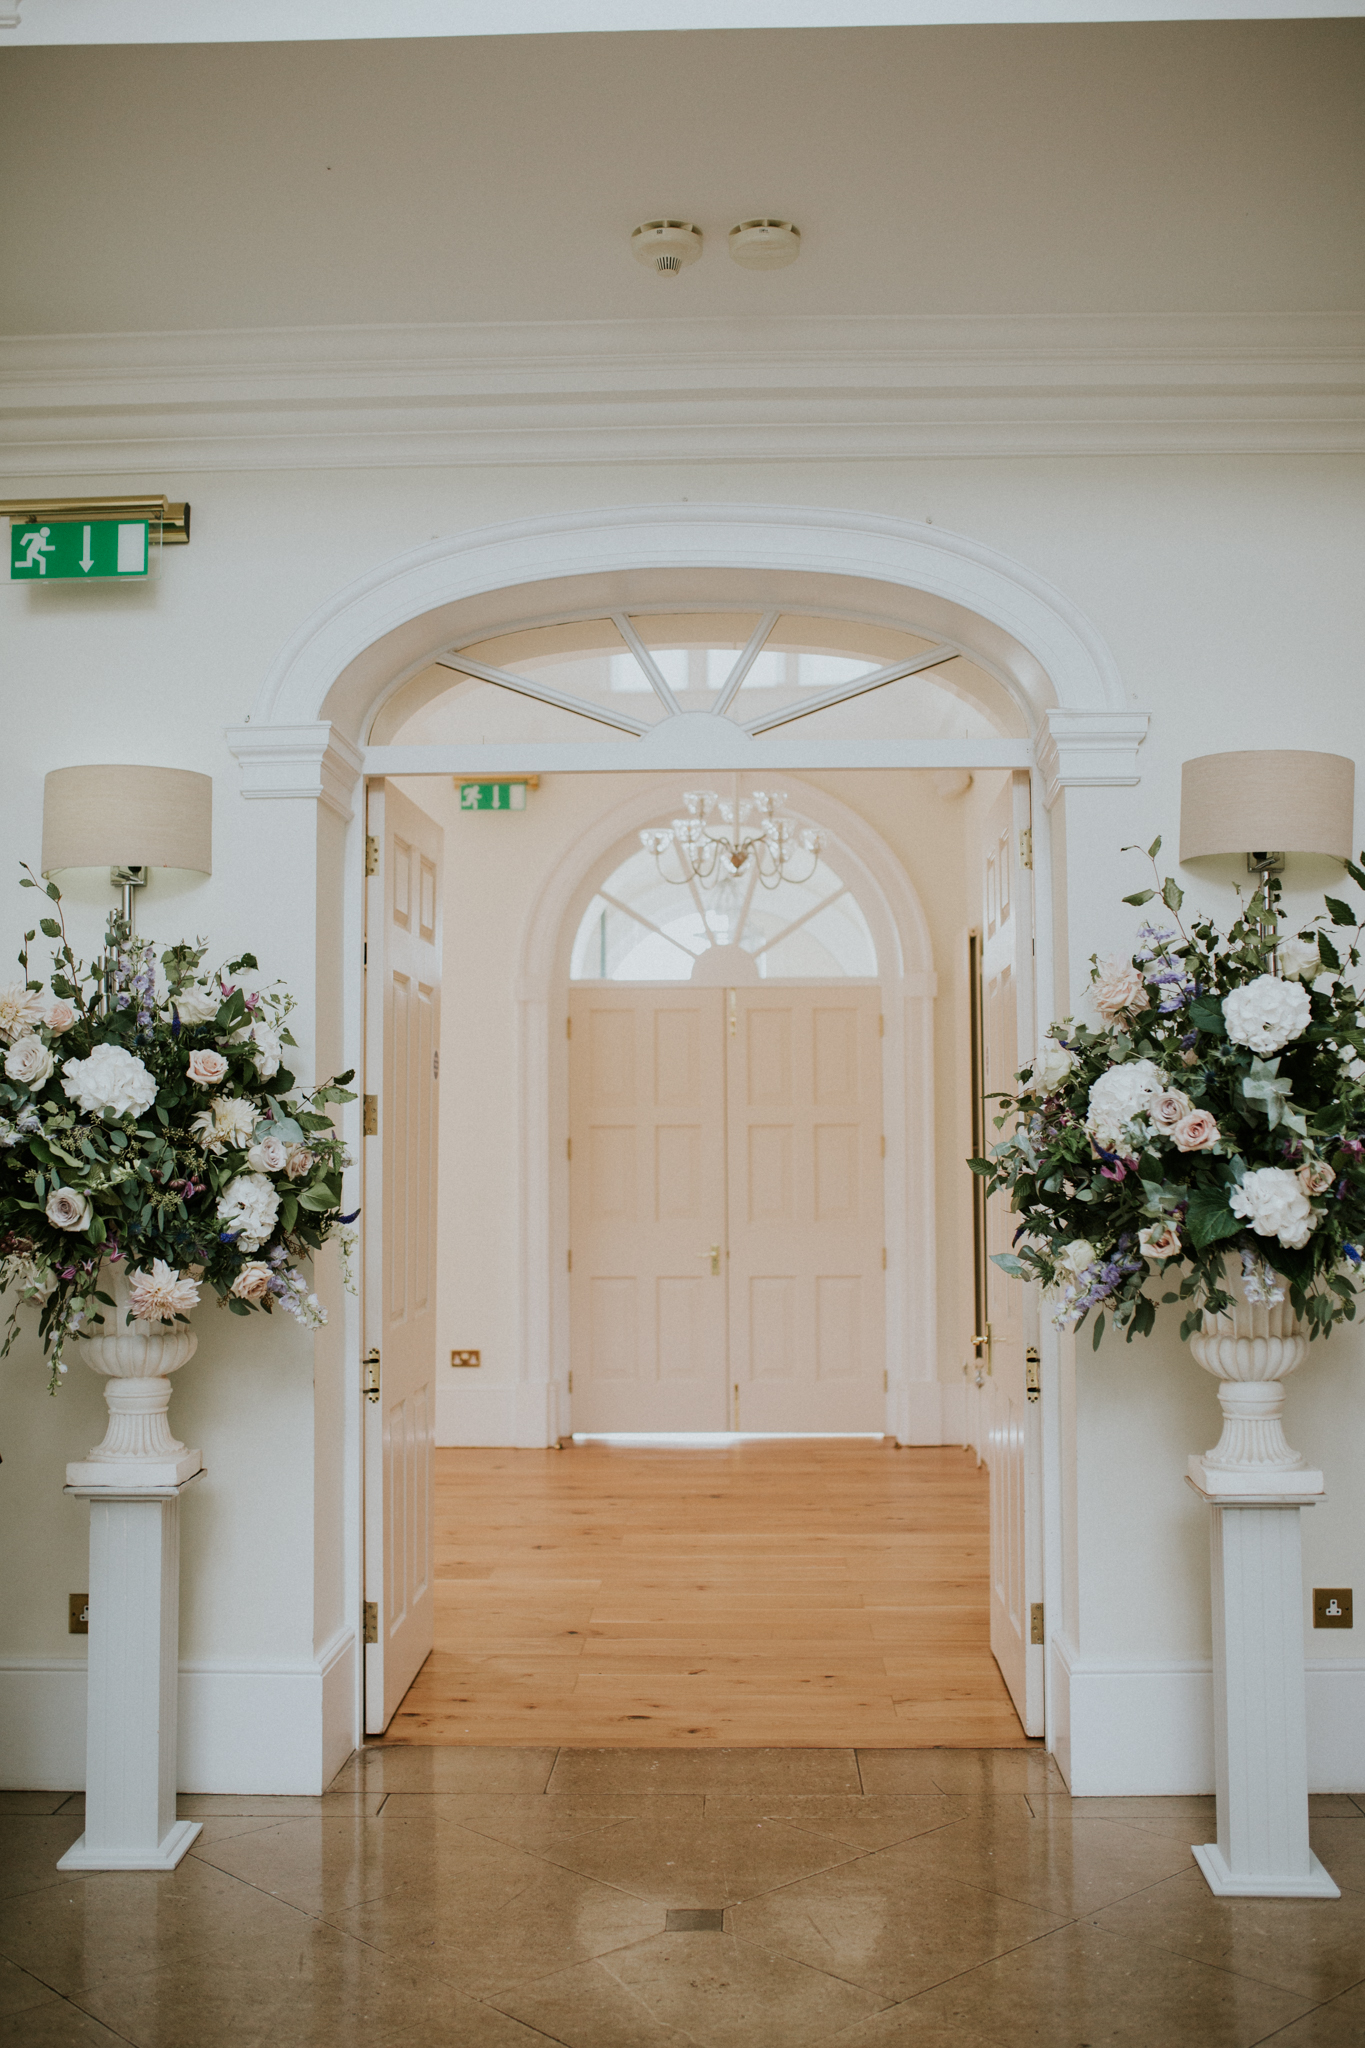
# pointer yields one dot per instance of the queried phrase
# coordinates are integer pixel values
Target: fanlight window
(622, 676)
(640, 927)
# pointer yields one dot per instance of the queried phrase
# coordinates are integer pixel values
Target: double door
(726, 1261)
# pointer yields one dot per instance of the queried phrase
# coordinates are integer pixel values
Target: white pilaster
(1259, 1719)
(130, 1743)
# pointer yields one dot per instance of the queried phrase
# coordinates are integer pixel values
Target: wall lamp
(128, 820)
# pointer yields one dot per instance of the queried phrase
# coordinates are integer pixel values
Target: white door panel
(1009, 1418)
(402, 1031)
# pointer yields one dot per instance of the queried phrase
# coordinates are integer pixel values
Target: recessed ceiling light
(765, 244)
(666, 246)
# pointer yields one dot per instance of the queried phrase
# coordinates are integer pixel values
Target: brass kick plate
(1332, 1607)
(78, 1614)
(464, 1357)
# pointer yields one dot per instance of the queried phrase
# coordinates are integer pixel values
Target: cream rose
(1196, 1132)
(60, 1018)
(1299, 959)
(1117, 988)
(197, 1004)
(207, 1069)
(298, 1162)
(1159, 1241)
(1051, 1067)
(29, 1062)
(1076, 1257)
(66, 1210)
(1315, 1176)
(267, 1155)
(253, 1282)
(1168, 1109)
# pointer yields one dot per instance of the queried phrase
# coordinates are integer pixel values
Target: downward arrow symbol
(87, 559)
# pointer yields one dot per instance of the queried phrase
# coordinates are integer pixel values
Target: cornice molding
(1089, 749)
(316, 762)
(877, 388)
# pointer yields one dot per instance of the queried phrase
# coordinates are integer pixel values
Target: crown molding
(1089, 750)
(822, 388)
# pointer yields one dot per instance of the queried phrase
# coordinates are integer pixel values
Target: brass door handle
(979, 1345)
(713, 1254)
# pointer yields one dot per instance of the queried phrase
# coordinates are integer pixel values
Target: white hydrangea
(1119, 1099)
(1266, 1014)
(248, 1207)
(1273, 1203)
(112, 1078)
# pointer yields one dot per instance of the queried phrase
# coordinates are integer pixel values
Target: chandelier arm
(797, 922)
(524, 687)
(758, 640)
(653, 672)
(876, 680)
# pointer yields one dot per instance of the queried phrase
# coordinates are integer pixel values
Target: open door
(1013, 1437)
(402, 1061)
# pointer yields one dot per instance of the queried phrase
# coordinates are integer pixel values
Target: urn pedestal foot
(1259, 1718)
(131, 1709)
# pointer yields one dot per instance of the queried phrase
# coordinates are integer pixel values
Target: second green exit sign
(76, 551)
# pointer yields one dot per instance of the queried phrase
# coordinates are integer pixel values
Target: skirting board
(258, 1728)
(1132, 1730)
(524, 1413)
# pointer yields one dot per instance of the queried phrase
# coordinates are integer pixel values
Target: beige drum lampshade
(114, 817)
(1274, 801)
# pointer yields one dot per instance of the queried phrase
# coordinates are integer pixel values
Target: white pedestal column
(130, 1745)
(1259, 1721)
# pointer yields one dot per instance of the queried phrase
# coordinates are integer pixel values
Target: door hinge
(570, 1382)
(569, 1266)
(1035, 1622)
(371, 1611)
(1026, 847)
(1032, 1383)
(436, 1066)
(568, 1027)
(370, 1125)
(883, 1144)
(371, 1364)
(568, 1148)
(371, 854)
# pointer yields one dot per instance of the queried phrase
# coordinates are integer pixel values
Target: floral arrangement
(1218, 1106)
(147, 1122)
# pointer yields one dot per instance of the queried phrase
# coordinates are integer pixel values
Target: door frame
(308, 738)
(908, 983)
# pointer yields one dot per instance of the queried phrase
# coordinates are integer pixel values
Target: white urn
(135, 1358)
(1251, 1349)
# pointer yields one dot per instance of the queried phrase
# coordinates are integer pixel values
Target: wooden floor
(788, 1593)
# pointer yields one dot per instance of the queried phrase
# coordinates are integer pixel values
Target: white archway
(900, 933)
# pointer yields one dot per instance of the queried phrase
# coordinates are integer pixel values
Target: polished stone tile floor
(503, 1898)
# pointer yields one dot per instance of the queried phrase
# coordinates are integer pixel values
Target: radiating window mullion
(655, 675)
(758, 639)
(876, 679)
(504, 679)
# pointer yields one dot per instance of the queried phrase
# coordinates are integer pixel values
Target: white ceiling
(249, 21)
(1201, 168)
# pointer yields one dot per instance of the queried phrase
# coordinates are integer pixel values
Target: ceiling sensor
(666, 246)
(765, 244)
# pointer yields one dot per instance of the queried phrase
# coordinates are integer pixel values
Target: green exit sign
(492, 796)
(76, 551)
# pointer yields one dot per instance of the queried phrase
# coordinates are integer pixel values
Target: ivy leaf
(1341, 912)
(1142, 896)
(1208, 1218)
(1357, 874)
(1327, 952)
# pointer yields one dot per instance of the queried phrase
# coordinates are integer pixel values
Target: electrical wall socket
(464, 1358)
(78, 1614)
(1332, 1607)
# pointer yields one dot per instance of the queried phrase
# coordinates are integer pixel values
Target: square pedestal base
(1315, 1885)
(132, 1475)
(167, 1853)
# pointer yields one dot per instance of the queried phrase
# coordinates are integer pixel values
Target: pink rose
(1118, 987)
(1195, 1132)
(60, 1018)
(1168, 1109)
(299, 1162)
(207, 1068)
(1315, 1177)
(253, 1282)
(1162, 1241)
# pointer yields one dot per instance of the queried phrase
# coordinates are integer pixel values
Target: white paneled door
(1013, 1440)
(726, 1209)
(402, 1034)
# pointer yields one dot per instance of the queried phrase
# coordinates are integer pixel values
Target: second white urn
(137, 1449)
(1251, 1349)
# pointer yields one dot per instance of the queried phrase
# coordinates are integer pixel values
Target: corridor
(815, 1592)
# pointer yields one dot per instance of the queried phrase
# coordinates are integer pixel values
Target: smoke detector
(666, 246)
(765, 244)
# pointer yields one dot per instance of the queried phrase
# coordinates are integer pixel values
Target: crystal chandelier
(720, 842)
